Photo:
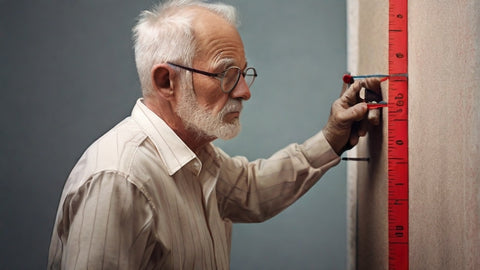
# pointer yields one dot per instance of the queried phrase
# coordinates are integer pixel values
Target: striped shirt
(139, 198)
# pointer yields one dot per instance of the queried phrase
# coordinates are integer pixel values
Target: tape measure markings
(398, 137)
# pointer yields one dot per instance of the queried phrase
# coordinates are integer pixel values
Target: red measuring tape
(398, 136)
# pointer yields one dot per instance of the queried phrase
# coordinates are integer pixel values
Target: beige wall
(444, 142)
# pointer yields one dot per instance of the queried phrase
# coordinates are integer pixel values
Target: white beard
(203, 122)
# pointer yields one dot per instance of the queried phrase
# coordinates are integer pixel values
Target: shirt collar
(173, 151)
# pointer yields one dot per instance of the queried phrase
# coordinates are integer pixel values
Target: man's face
(204, 122)
(207, 109)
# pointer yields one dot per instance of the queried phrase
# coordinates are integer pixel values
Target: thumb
(354, 113)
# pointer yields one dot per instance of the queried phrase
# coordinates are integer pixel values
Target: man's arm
(105, 224)
(256, 191)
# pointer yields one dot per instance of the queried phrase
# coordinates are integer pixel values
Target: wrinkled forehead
(216, 38)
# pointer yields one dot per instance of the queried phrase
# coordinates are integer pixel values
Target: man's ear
(163, 80)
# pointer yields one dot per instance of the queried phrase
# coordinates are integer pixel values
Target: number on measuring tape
(398, 137)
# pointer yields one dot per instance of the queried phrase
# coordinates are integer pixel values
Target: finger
(353, 139)
(344, 88)
(362, 127)
(373, 84)
(373, 117)
(350, 97)
(353, 113)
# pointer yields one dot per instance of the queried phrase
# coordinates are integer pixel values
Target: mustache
(232, 105)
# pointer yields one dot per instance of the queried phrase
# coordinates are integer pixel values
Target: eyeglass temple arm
(194, 70)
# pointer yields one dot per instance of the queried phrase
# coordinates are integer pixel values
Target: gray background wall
(67, 75)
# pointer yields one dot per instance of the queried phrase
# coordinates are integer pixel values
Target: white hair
(165, 34)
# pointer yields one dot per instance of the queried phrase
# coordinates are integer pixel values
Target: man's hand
(348, 119)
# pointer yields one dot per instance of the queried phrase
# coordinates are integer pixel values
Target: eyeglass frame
(221, 75)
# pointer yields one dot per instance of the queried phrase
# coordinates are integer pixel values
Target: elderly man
(153, 192)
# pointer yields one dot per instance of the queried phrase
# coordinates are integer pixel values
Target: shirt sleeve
(105, 224)
(256, 191)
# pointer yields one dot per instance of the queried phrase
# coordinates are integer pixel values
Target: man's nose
(241, 90)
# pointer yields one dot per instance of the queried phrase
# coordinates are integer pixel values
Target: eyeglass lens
(232, 76)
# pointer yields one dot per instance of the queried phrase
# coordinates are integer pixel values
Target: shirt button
(196, 166)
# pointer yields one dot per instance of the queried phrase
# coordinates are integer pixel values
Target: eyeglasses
(228, 78)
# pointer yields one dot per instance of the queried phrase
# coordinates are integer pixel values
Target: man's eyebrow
(225, 63)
